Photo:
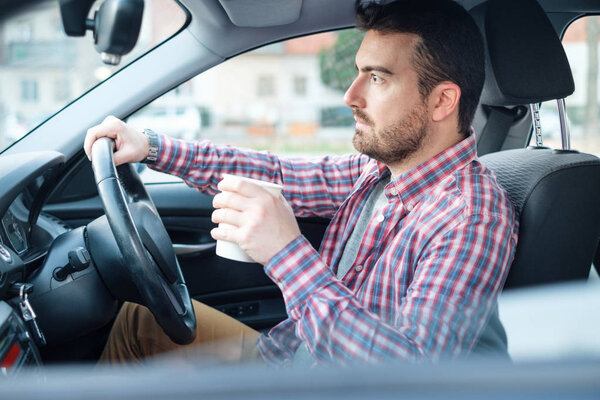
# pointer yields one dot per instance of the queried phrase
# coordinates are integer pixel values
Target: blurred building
(42, 70)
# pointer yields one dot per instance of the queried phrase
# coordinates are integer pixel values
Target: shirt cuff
(174, 156)
(299, 271)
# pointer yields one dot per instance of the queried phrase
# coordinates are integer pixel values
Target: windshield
(42, 70)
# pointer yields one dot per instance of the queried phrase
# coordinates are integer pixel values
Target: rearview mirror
(116, 25)
(116, 28)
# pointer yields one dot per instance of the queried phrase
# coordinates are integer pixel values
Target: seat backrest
(556, 193)
(557, 196)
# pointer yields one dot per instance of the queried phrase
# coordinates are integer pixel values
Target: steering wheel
(146, 249)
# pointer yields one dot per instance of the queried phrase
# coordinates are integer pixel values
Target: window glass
(286, 97)
(42, 69)
(583, 109)
(266, 86)
(300, 85)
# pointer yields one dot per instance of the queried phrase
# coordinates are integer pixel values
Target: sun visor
(262, 13)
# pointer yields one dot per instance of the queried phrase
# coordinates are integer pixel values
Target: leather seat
(556, 192)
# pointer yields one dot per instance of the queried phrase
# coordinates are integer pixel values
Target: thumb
(120, 157)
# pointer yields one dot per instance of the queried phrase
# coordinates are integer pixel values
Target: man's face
(392, 118)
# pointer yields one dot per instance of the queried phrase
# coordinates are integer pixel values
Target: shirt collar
(412, 185)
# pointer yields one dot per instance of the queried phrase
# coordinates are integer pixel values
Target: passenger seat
(556, 192)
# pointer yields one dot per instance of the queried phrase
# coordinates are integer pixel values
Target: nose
(354, 97)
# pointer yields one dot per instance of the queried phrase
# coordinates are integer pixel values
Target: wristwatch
(153, 149)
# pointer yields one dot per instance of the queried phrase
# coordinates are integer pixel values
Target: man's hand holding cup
(255, 216)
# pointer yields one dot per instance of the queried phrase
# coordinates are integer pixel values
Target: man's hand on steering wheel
(131, 145)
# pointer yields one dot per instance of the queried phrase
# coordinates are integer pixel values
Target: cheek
(392, 108)
(385, 114)
(387, 106)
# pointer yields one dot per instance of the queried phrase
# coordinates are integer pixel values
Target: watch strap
(153, 146)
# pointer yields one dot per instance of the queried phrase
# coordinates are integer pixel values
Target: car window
(583, 108)
(286, 97)
(42, 69)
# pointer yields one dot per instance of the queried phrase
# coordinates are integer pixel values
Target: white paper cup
(231, 250)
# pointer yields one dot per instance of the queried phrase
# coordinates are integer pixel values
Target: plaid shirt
(430, 267)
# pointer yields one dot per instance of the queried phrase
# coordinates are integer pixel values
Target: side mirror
(116, 25)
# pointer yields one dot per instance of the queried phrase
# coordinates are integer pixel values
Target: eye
(376, 79)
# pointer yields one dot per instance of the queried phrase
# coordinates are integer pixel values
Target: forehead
(389, 50)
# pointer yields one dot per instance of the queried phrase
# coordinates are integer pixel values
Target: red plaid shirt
(429, 269)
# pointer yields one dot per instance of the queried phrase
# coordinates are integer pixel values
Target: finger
(227, 233)
(231, 200)
(121, 157)
(123, 154)
(285, 203)
(95, 133)
(90, 138)
(245, 188)
(227, 216)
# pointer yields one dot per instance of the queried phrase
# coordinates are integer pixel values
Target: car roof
(211, 20)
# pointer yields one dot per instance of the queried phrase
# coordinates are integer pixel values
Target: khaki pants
(135, 336)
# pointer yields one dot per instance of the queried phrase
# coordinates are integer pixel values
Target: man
(421, 235)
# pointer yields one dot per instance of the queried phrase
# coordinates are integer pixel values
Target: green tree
(337, 62)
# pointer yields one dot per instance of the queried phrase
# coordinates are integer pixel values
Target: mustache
(361, 115)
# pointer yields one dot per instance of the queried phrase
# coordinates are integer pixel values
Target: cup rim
(255, 181)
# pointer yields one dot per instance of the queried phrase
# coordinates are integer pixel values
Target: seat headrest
(525, 60)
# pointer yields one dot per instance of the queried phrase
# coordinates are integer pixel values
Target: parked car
(179, 122)
(52, 214)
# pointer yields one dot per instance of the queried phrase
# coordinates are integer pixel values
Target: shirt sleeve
(278, 347)
(312, 187)
(457, 280)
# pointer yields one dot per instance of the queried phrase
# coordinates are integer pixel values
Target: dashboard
(35, 252)
(25, 233)
(25, 237)
(21, 197)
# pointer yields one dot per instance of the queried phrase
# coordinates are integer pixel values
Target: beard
(394, 143)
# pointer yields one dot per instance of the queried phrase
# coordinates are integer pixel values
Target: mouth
(362, 126)
(362, 121)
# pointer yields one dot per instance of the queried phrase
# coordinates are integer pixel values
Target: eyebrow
(376, 68)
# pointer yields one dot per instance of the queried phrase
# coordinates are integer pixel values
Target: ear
(444, 100)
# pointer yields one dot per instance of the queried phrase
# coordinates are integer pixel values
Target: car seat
(556, 192)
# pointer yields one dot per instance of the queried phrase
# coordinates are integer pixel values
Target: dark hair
(450, 49)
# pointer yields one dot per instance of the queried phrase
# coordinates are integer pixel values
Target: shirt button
(394, 191)
(358, 268)
(380, 218)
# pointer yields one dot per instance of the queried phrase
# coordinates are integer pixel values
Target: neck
(436, 141)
